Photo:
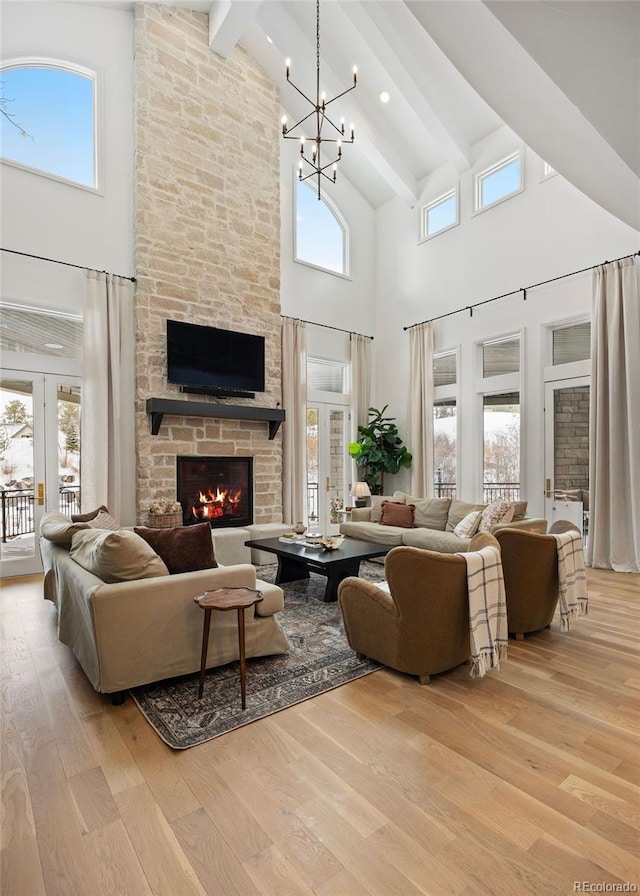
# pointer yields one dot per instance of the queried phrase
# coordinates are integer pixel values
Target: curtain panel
(107, 444)
(294, 429)
(360, 388)
(421, 409)
(614, 426)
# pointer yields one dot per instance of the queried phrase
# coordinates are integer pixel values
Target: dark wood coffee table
(296, 561)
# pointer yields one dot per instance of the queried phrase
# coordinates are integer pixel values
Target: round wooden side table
(226, 599)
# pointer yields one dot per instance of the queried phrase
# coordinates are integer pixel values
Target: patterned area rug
(319, 660)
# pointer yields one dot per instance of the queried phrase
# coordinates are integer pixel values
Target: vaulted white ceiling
(564, 75)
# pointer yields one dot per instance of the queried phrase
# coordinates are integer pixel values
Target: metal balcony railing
(17, 509)
(509, 491)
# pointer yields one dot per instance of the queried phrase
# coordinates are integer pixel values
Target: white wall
(49, 218)
(549, 230)
(319, 296)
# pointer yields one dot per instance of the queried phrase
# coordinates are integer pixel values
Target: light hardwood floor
(521, 783)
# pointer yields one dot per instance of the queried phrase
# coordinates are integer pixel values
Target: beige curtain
(107, 458)
(294, 429)
(360, 388)
(614, 428)
(421, 409)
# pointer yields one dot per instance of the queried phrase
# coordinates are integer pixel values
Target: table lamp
(360, 494)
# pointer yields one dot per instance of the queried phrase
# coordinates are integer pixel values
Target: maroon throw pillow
(184, 548)
(87, 517)
(397, 514)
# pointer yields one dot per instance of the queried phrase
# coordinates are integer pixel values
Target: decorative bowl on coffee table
(332, 543)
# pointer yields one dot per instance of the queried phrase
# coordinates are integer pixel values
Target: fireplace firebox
(217, 490)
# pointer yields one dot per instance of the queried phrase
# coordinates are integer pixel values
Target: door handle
(41, 493)
(548, 488)
(327, 486)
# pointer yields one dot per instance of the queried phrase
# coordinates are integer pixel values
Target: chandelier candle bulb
(353, 132)
(288, 65)
(284, 124)
(355, 75)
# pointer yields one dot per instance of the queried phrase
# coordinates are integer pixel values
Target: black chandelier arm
(301, 92)
(316, 173)
(316, 166)
(337, 97)
(340, 130)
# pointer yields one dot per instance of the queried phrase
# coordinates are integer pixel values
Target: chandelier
(317, 166)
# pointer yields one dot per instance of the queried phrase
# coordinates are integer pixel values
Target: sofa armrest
(533, 524)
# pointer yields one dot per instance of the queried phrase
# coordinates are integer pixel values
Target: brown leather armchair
(421, 626)
(530, 567)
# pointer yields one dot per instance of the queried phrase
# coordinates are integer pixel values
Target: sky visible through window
(319, 236)
(442, 215)
(56, 109)
(500, 183)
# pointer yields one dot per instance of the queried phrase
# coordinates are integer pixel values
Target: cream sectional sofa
(128, 633)
(435, 520)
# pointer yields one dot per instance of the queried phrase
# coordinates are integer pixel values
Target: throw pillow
(468, 526)
(394, 514)
(458, 511)
(59, 529)
(498, 511)
(376, 505)
(431, 513)
(120, 556)
(183, 548)
(104, 520)
(87, 517)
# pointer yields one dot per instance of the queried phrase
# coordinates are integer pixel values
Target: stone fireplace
(218, 490)
(207, 248)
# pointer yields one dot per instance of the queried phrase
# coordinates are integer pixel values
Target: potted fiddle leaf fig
(379, 449)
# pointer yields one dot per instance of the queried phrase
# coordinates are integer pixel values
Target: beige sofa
(435, 520)
(129, 633)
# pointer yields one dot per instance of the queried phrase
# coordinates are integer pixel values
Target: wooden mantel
(158, 407)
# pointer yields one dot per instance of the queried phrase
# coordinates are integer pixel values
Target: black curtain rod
(328, 327)
(515, 292)
(66, 263)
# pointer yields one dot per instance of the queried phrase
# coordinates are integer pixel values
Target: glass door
(327, 460)
(567, 452)
(39, 460)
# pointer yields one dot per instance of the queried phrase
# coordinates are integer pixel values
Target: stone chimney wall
(207, 237)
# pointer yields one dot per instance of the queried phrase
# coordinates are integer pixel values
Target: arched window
(49, 120)
(321, 235)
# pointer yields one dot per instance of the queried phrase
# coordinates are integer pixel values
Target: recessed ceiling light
(53, 345)
(384, 96)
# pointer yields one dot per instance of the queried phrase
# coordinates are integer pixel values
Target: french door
(39, 460)
(567, 451)
(327, 465)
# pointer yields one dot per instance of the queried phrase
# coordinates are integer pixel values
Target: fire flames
(217, 503)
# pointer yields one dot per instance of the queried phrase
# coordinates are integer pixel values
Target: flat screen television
(211, 361)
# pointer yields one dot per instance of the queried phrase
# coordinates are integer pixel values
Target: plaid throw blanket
(572, 579)
(487, 610)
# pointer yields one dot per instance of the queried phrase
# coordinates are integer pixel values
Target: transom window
(501, 356)
(499, 182)
(439, 215)
(572, 343)
(444, 369)
(320, 232)
(326, 376)
(50, 121)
